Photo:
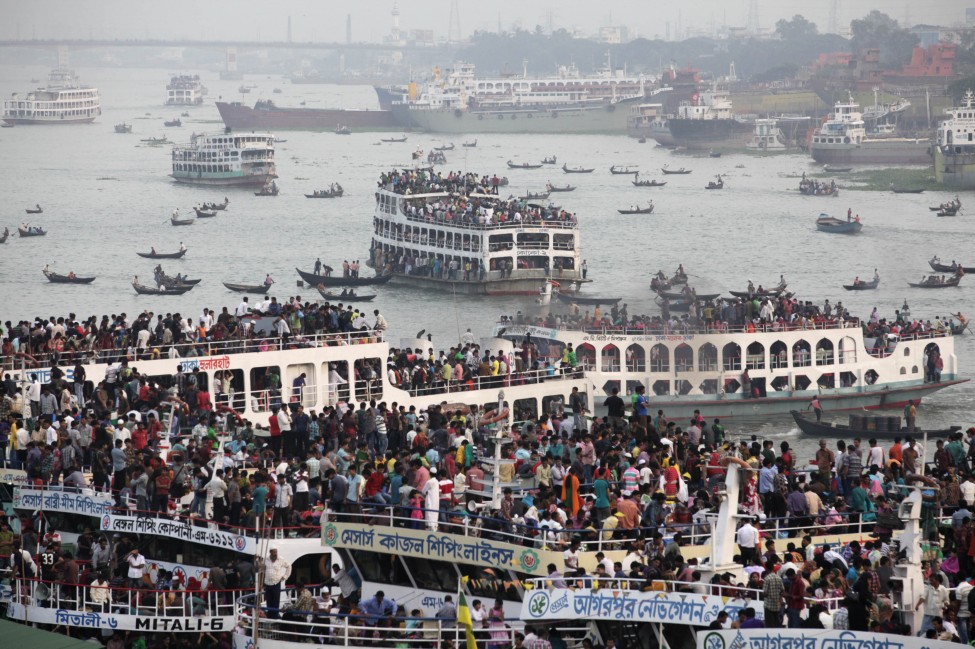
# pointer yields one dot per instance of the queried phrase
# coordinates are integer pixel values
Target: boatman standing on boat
(910, 414)
(817, 408)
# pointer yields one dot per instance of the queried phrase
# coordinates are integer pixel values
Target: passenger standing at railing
(275, 573)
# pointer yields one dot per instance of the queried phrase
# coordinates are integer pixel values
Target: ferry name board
(630, 605)
(13, 476)
(812, 639)
(112, 621)
(179, 530)
(92, 503)
(437, 545)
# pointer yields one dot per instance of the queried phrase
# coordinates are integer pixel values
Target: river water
(105, 196)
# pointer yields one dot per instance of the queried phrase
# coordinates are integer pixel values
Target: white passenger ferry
(225, 159)
(843, 139)
(727, 372)
(418, 237)
(63, 101)
(185, 90)
(954, 151)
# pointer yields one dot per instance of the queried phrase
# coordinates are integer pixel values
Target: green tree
(796, 29)
(879, 30)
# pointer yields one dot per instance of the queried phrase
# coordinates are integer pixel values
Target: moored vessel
(705, 122)
(266, 115)
(63, 101)
(843, 139)
(225, 159)
(954, 150)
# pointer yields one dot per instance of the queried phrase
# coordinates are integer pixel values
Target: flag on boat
(465, 620)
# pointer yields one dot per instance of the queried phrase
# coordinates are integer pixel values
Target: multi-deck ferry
(954, 151)
(63, 101)
(225, 159)
(185, 90)
(422, 239)
(843, 139)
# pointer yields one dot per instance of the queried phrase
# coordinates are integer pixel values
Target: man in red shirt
(139, 436)
(375, 479)
(631, 513)
(275, 431)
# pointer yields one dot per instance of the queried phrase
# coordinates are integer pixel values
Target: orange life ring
(496, 417)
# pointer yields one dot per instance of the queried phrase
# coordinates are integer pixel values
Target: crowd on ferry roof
(633, 481)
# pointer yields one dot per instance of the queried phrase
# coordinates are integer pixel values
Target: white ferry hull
(238, 181)
(33, 121)
(955, 170)
(895, 151)
(496, 287)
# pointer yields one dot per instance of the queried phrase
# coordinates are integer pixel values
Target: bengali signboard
(13, 476)
(629, 605)
(205, 363)
(179, 529)
(438, 545)
(91, 503)
(812, 639)
(112, 621)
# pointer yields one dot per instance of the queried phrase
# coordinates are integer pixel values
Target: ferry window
(565, 263)
(229, 388)
(802, 382)
(707, 358)
(563, 242)
(709, 386)
(382, 568)
(756, 357)
(526, 409)
(636, 358)
(659, 358)
(631, 387)
(501, 263)
(661, 388)
(554, 405)
(780, 383)
(610, 358)
(338, 391)
(779, 355)
(824, 352)
(801, 356)
(489, 583)
(265, 388)
(368, 379)
(683, 387)
(848, 351)
(847, 379)
(731, 355)
(731, 386)
(586, 357)
(431, 574)
(684, 358)
(302, 384)
(827, 380)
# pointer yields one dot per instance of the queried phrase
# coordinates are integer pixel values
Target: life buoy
(496, 417)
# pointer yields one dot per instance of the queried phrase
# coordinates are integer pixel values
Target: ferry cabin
(506, 258)
(53, 106)
(226, 159)
(184, 90)
(844, 126)
(956, 134)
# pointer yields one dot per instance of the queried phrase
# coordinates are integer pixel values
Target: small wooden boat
(66, 279)
(333, 280)
(220, 207)
(550, 161)
(176, 221)
(345, 298)
(675, 172)
(704, 297)
(326, 193)
(714, 154)
(715, 185)
(3, 237)
(864, 427)
(156, 140)
(173, 122)
(675, 305)
(946, 212)
(863, 286)
(31, 232)
(343, 130)
(647, 183)
(141, 289)
(577, 170)
(523, 165)
(954, 204)
(555, 188)
(582, 299)
(941, 281)
(259, 289)
(162, 255)
(270, 190)
(203, 214)
(470, 145)
(534, 196)
(937, 266)
(642, 140)
(638, 210)
(773, 293)
(623, 171)
(904, 190)
(35, 210)
(123, 128)
(837, 170)
(445, 147)
(393, 139)
(827, 223)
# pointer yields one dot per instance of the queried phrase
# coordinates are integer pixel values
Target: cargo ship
(706, 121)
(267, 116)
(843, 139)
(954, 150)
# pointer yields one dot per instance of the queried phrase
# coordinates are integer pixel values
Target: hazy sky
(324, 20)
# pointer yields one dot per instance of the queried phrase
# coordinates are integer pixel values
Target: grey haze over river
(105, 196)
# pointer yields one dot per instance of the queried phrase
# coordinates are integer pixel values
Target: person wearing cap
(276, 573)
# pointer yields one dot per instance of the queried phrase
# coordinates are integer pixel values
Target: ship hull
(697, 134)
(27, 121)
(657, 132)
(955, 170)
(240, 181)
(528, 285)
(896, 151)
(602, 119)
(240, 117)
